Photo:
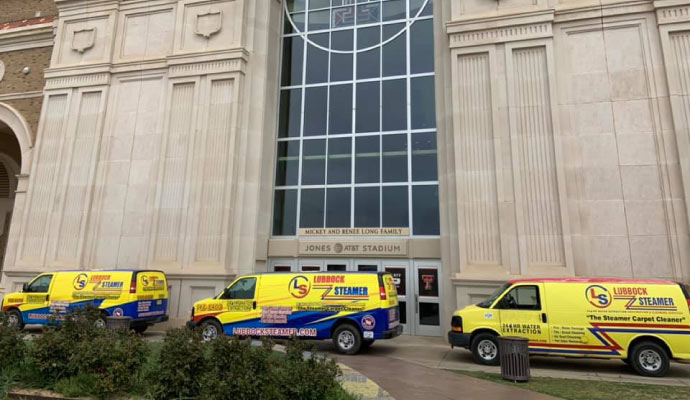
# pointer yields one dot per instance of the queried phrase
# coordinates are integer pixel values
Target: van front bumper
(459, 339)
(391, 333)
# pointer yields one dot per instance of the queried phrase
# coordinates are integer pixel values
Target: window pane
(395, 52)
(368, 107)
(343, 17)
(394, 9)
(339, 160)
(315, 106)
(424, 165)
(293, 55)
(395, 207)
(368, 62)
(285, 212)
(287, 165)
(290, 113)
(298, 19)
(394, 158)
(340, 110)
(423, 103)
(368, 14)
(314, 4)
(317, 59)
(319, 20)
(341, 64)
(311, 208)
(425, 210)
(338, 208)
(367, 159)
(521, 298)
(336, 267)
(415, 5)
(241, 290)
(394, 105)
(296, 5)
(314, 162)
(421, 47)
(367, 207)
(429, 314)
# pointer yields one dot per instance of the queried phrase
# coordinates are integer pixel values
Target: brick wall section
(15, 81)
(17, 10)
(29, 109)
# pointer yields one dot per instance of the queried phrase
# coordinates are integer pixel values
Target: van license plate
(368, 335)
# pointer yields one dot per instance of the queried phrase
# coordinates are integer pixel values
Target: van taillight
(133, 285)
(382, 292)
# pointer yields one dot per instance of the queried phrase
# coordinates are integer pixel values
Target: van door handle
(254, 305)
(47, 297)
(543, 317)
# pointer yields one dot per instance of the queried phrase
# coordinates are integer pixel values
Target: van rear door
(150, 289)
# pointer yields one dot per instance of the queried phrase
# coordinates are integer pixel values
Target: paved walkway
(434, 352)
(409, 381)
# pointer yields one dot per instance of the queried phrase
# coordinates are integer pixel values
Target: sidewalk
(434, 352)
(409, 381)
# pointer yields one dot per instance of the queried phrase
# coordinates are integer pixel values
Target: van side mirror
(25, 287)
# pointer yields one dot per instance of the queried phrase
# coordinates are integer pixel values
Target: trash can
(118, 323)
(514, 355)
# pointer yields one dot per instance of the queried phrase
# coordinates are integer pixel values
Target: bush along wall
(76, 358)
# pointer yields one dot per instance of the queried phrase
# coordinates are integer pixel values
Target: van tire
(485, 349)
(14, 317)
(347, 339)
(650, 359)
(211, 330)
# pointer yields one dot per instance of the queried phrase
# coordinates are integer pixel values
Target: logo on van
(299, 286)
(598, 296)
(368, 322)
(80, 281)
(144, 280)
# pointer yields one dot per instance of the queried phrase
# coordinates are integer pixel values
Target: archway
(15, 152)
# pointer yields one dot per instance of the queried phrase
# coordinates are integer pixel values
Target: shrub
(12, 346)
(78, 351)
(113, 358)
(56, 352)
(236, 370)
(181, 365)
(307, 378)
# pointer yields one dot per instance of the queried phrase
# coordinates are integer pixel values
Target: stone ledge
(500, 29)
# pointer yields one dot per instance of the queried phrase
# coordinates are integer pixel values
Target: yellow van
(139, 294)
(646, 323)
(353, 309)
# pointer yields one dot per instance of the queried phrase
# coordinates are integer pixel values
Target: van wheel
(485, 349)
(211, 330)
(140, 328)
(347, 339)
(14, 319)
(649, 359)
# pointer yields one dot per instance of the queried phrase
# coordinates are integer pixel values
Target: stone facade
(26, 41)
(566, 140)
(563, 144)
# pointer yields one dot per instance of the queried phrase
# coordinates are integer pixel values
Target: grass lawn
(576, 389)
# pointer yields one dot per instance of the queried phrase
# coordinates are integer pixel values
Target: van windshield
(488, 302)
